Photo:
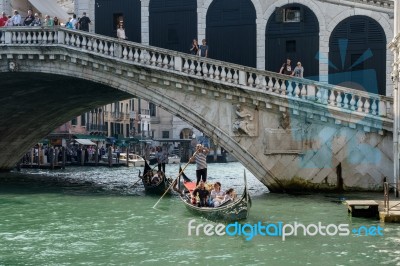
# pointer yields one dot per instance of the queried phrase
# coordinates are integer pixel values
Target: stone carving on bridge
(12, 66)
(245, 121)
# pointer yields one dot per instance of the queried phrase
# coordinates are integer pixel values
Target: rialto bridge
(292, 134)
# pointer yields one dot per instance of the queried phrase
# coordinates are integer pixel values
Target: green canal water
(92, 216)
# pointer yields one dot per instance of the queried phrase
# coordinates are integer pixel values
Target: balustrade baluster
(290, 89)
(130, 54)
(19, 37)
(147, 57)
(325, 96)
(24, 36)
(28, 38)
(34, 37)
(229, 76)
(153, 59)
(257, 82)
(360, 104)
(186, 66)
(263, 83)
(374, 106)
(50, 37)
(44, 40)
(211, 72)
(353, 102)
(332, 98)
(192, 67)
(217, 73)
(159, 60)
(124, 52)
(346, 101)
(235, 77)
(89, 44)
(283, 88)
(339, 99)
(250, 80)
(172, 63)
(367, 105)
(205, 69)
(277, 86)
(223, 73)
(84, 42)
(303, 91)
(112, 49)
(165, 61)
(136, 55)
(95, 45)
(101, 47)
(319, 94)
(270, 86)
(296, 90)
(73, 39)
(40, 37)
(14, 37)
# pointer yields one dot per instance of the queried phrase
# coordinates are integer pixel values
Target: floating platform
(363, 208)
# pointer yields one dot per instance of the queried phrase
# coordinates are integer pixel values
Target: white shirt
(16, 19)
(121, 34)
(73, 22)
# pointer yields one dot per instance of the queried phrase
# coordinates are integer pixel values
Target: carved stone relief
(245, 122)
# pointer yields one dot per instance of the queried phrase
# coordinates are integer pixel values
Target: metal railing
(386, 199)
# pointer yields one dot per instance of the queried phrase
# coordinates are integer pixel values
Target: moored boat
(134, 159)
(235, 210)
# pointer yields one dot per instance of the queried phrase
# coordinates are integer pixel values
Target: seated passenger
(157, 177)
(201, 193)
(217, 195)
(230, 195)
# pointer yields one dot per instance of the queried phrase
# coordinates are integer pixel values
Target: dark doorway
(231, 31)
(357, 55)
(109, 12)
(173, 24)
(293, 32)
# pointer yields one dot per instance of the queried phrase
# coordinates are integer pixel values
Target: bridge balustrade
(294, 89)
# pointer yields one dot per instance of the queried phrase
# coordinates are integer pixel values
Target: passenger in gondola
(201, 195)
(217, 196)
(157, 177)
(230, 195)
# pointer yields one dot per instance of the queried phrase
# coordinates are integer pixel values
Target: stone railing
(386, 6)
(380, 3)
(300, 90)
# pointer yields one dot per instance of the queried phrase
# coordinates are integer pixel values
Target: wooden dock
(363, 208)
(375, 209)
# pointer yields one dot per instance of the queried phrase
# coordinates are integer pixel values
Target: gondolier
(200, 157)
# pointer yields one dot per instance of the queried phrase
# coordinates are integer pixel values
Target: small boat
(155, 188)
(235, 210)
(134, 159)
(174, 159)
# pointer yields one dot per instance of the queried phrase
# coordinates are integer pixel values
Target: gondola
(227, 212)
(153, 188)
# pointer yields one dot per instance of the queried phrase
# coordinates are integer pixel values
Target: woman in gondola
(216, 195)
(201, 195)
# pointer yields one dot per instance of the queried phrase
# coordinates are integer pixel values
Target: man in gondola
(201, 162)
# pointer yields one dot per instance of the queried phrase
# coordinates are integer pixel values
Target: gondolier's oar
(174, 180)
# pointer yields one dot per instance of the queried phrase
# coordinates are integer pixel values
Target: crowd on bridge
(35, 20)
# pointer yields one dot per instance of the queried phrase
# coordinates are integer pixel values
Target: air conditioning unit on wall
(291, 15)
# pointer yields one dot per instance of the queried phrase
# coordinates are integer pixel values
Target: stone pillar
(145, 22)
(395, 78)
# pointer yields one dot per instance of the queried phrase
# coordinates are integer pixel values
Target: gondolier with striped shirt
(200, 157)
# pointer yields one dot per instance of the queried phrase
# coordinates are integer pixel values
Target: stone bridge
(292, 134)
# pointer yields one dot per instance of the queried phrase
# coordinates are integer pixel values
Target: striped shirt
(201, 160)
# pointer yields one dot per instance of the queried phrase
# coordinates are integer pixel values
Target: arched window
(357, 55)
(231, 31)
(173, 24)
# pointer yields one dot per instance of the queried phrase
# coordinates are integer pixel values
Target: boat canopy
(85, 142)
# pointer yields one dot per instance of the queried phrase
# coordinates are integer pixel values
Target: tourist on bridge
(56, 22)
(121, 31)
(83, 22)
(29, 18)
(48, 22)
(3, 19)
(16, 19)
(73, 22)
(195, 47)
(36, 22)
(286, 68)
(298, 70)
(203, 49)
(200, 157)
